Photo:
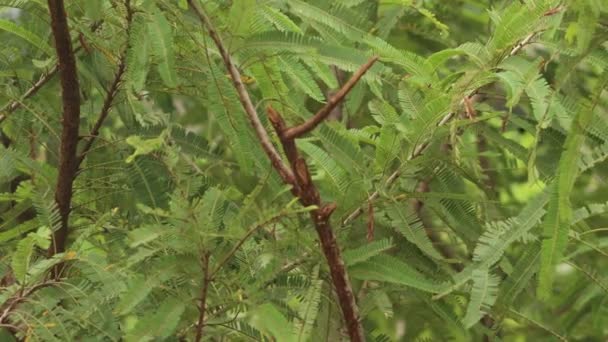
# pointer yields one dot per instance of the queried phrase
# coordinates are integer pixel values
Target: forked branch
(308, 194)
(274, 156)
(297, 174)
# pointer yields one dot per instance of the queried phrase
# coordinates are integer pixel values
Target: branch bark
(308, 193)
(70, 94)
(298, 175)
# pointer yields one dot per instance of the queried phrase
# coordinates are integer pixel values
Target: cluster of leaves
(467, 168)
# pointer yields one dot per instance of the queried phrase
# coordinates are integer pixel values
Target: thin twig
(244, 98)
(523, 43)
(22, 295)
(310, 124)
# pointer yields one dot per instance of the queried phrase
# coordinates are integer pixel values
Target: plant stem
(298, 176)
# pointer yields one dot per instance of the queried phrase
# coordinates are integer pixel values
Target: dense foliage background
(467, 169)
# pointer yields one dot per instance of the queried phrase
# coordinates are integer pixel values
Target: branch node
(327, 209)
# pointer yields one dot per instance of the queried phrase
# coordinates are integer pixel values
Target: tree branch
(308, 194)
(70, 94)
(298, 176)
(275, 158)
(310, 124)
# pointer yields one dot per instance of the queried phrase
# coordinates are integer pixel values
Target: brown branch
(70, 94)
(274, 156)
(306, 190)
(310, 124)
(203, 306)
(298, 176)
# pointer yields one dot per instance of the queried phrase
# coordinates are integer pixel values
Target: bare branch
(244, 98)
(310, 124)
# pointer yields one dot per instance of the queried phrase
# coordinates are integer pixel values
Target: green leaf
(161, 38)
(139, 288)
(282, 22)
(483, 296)
(333, 172)
(557, 224)
(412, 229)
(309, 308)
(137, 54)
(29, 36)
(367, 251)
(143, 147)
(392, 270)
(268, 319)
(161, 324)
(20, 262)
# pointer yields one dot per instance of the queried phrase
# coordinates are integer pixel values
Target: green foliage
(473, 154)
